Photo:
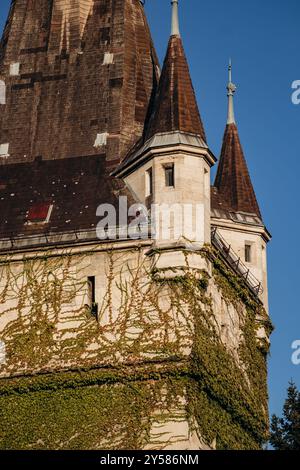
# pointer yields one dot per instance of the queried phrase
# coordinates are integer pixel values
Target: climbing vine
(156, 342)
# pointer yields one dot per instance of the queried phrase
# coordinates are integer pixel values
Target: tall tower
(235, 211)
(157, 342)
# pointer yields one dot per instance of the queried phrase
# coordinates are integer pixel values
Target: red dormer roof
(39, 212)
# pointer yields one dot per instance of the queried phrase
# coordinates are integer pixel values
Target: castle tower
(170, 170)
(157, 342)
(235, 211)
(79, 75)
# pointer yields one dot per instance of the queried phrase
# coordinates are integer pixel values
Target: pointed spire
(175, 19)
(231, 88)
(175, 107)
(235, 191)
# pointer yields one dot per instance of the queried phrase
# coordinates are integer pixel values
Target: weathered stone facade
(158, 334)
(127, 343)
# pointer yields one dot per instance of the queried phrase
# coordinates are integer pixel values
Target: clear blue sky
(262, 37)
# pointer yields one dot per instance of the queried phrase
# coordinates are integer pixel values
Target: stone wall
(197, 331)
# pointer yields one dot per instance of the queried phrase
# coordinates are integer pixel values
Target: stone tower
(235, 211)
(170, 168)
(132, 340)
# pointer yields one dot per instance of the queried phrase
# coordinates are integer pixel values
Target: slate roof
(68, 94)
(175, 106)
(85, 67)
(75, 187)
(233, 190)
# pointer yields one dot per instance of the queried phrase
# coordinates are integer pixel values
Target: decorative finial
(175, 19)
(231, 88)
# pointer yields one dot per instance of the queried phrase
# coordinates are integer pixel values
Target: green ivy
(113, 407)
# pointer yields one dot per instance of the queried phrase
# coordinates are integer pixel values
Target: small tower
(235, 210)
(170, 170)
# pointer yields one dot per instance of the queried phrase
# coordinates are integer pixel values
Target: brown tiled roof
(75, 187)
(66, 93)
(175, 107)
(233, 190)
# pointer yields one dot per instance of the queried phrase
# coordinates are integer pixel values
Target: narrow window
(248, 253)
(149, 182)
(264, 258)
(170, 176)
(206, 182)
(92, 296)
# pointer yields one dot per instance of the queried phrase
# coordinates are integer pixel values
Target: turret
(170, 171)
(235, 211)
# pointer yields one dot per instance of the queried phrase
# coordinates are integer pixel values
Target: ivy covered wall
(155, 344)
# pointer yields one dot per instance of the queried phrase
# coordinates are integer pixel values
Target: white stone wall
(173, 431)
(192, 176)
(237, 237)
(120, 275)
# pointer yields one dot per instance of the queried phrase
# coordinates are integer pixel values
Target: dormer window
(14, 69)
(169, 175)
(108, 58)
(39, 213)
(4, 148)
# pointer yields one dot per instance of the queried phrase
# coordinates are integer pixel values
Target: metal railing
(235, 262)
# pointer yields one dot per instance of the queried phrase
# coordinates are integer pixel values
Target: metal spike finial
(231, 89)
(175, 19)
(230, 71)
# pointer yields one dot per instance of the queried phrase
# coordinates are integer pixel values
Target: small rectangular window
(149, 182)
(248, 253)
(92, 296)
(91, 289)
(170, 176)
